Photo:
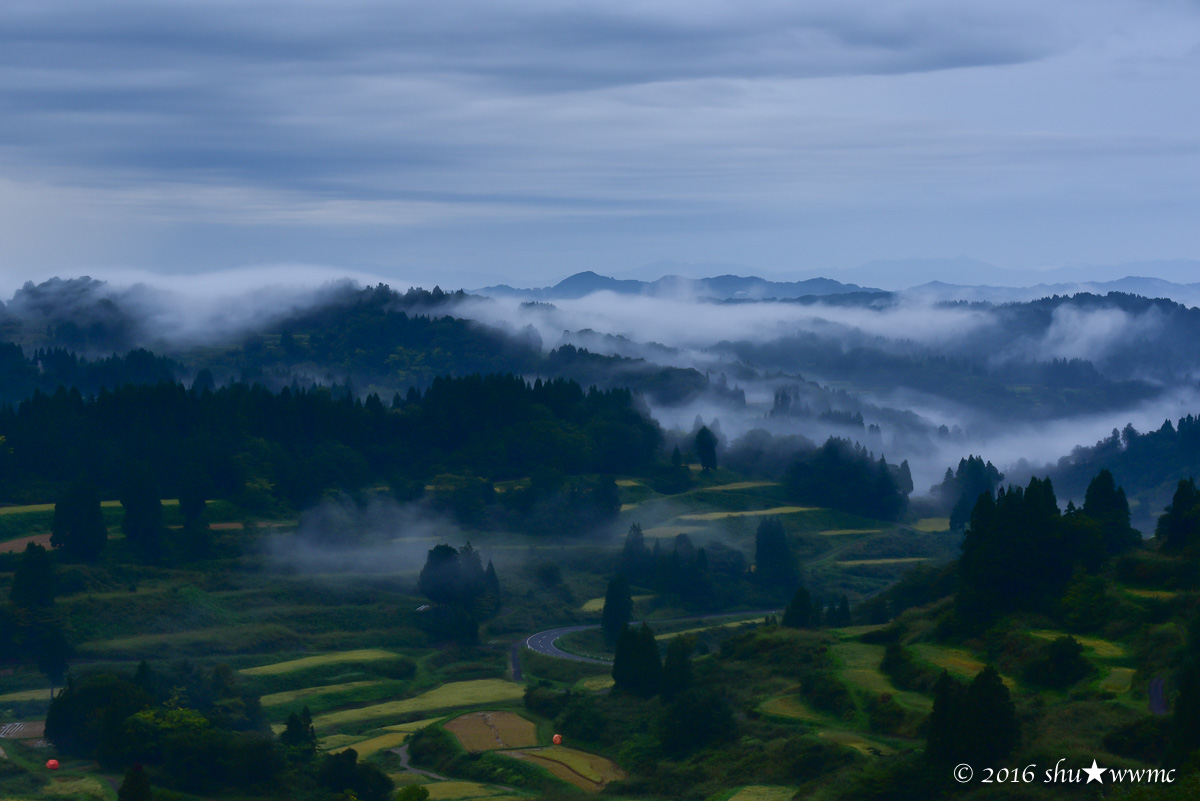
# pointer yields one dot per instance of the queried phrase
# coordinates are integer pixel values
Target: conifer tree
(618, 608)
(78, 529)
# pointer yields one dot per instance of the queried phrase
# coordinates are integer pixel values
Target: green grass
(860, 668)
(287, 697)
(222, 640)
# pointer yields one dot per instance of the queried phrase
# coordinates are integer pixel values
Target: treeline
(845, 476)
(200, 732)
(260, 447)
(48, 369)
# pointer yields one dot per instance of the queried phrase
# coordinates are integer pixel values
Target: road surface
(544, 642)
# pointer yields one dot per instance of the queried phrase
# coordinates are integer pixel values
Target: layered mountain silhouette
(721, 287)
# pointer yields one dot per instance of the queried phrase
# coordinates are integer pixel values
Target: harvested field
(275, 699)
(628, 482)
(777, 510)
(18, 545)
(958, 662)
(448, 696)
(932, 524)
(1162, 595)
(898, 561)
(740, 485)
(293, 665)
(487, 731)
(587, 771)
(29, 730)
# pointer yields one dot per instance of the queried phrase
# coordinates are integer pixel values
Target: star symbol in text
(1095, 773)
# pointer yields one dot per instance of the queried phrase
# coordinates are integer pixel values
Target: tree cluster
(975, 724)
(845, 476)
(464, 591)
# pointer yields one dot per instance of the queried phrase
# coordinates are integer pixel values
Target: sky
(470, 142)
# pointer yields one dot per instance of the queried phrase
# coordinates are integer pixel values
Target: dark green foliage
(266, 448)
(696, 718)
(976, 724)
(52, 651)
(33, 585)
(413, 792)
(844, 476)
(1105, 503)
(1144, 740)
(960, 489)
(800, 613)
(774, 562)
(1020, 553)
(705, 447)
(637, 667)
(1059, 664)
(635, 556)
(905, 672)
(135, 786)
(78, 530)
(90, 713)
(342, 771)
(299, 736)
(465, 592)
(435, 748)
(142, 522)
(677, 667)
(618, 608)
(826, 692)
(1178, 529)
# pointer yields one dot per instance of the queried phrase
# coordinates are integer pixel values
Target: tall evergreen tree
(990, 727)
(34, 584)
(677, 667)
(1106, 504)
(142, 522)
(1178, 527)
(705, 448)
(799, 612)
(618, 608)
(649, 662)
(78, 529)
(135, 786)
(773, 559)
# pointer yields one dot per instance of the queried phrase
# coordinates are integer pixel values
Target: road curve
(544, 642)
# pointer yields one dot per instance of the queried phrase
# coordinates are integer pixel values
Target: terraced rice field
(740, 485)
(23, 731)
(860, 667)
(698, 629)
(367, 747)
(958, 662)
(75, 787)
(488, 731)
(411, 726)
(777, 510)
(597, 604)
(587, 771)
(19, 544)
(26, 695)
(448, 696)
(762, 792)
(594, 683)
(898, 561)
(837, 532)
(275, 699)
(291, 666)
(931, 524)
(789, 706)
(446, 791)
(1101, 648)
(1118, 681)
(857, 742)
(670, 531)
(334, 742)
(1162, 595)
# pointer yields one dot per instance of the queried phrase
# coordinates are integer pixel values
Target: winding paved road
(544, 642)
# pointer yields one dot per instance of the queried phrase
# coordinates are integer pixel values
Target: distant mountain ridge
(1186, 294)
(721, 287)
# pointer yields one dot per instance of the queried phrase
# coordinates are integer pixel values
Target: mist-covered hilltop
(918, 379)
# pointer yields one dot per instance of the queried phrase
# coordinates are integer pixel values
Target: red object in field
(52, 764)
(557, 739)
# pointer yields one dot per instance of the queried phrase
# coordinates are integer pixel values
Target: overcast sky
(525, 141)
